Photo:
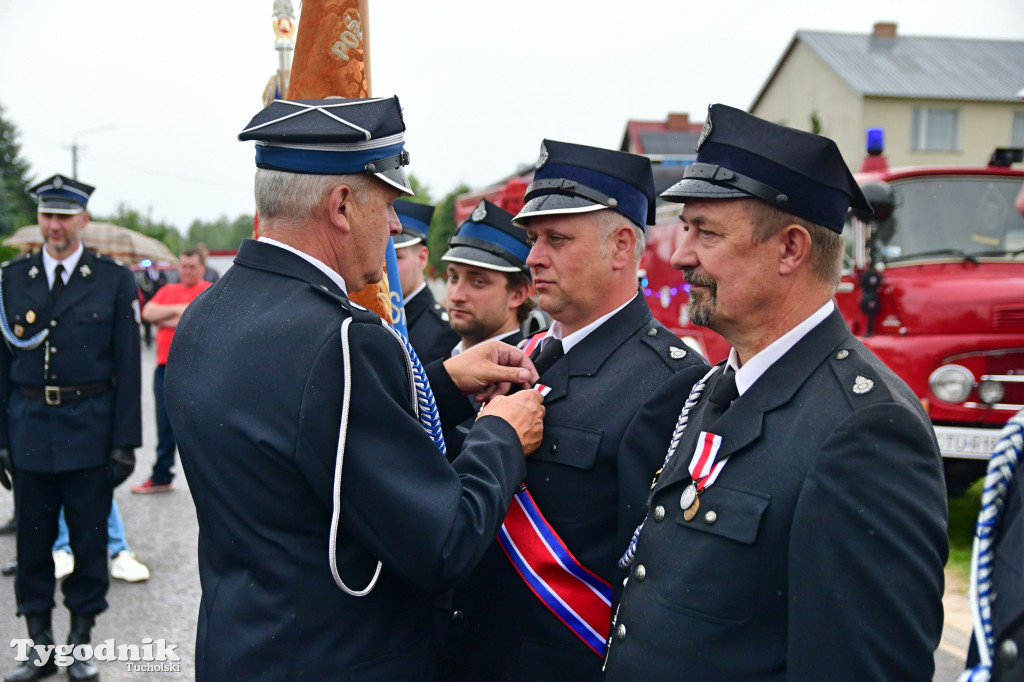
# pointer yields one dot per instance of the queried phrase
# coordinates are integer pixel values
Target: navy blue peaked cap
(415, 219)
(740, 155)
(332, 137)
(488, 239)
(61, 194)
(574, 178)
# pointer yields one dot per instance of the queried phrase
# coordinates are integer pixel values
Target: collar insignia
(861, 385)
(34, 272)
(85, 270)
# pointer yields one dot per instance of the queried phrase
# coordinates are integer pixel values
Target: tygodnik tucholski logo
(150, 656)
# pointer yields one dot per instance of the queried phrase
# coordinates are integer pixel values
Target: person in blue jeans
(123, 564)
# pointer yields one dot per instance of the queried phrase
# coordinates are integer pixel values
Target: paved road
(162, 531)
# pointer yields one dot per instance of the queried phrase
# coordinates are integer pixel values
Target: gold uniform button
(620, 632)
(659, 513)
(640, 573)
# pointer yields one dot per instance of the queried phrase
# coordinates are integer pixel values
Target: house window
(1017, 140)
(935, 130)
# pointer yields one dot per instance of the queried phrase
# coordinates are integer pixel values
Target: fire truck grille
(1008, 318)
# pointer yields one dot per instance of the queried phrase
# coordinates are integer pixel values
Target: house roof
(674, 136)
(917, 67)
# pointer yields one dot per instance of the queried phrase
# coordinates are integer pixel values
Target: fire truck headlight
(951, 383)
(991, 392)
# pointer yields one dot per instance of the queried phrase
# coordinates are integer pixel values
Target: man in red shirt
(164, 310)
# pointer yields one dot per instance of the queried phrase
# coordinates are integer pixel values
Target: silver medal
(688, 496)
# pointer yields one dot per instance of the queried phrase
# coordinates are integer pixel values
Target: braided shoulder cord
(677, 434)
(1001, 469)
(5, 328)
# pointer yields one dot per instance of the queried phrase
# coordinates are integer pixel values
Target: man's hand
(524, 411)
(121, 465)
(6, 468)
(489, 369)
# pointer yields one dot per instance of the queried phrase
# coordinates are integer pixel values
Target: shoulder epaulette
(109, 260)
(440, 312)
(667, 345)
(17, 259)
(861, 383)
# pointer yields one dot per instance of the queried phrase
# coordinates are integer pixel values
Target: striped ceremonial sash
(577, 597)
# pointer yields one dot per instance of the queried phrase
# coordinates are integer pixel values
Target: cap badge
(479, 213)
(58, 183)
(543, 158)
(862, 385)
(705, 131)
(676, 353)
(33, 272)
(85, 270)
(30, 316)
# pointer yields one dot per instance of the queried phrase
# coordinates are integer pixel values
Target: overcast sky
(156, 93)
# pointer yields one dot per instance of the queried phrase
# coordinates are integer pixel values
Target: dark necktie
(58, 282)
(551, 350)
(725, 390)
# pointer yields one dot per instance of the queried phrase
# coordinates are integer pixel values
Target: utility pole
(75, 146)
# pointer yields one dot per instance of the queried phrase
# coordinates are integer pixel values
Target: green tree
(815, 122)
(133, 220)
(442, 227)
(221, 234)
(421, 192)
(16, 205)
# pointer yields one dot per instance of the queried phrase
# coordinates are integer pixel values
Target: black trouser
(86, 495)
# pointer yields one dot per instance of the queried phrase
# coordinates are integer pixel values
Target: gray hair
(297, 196)
(607, 221)
(827, 246)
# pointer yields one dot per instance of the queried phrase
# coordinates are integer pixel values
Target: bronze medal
(691, 511)
(19, 331)
(30, 316)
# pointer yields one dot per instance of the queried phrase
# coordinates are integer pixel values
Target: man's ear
(422, 257)
(794, 248)
(339, 207)
(622, 242)
(519, 294)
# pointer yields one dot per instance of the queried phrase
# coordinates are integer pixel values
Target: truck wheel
(961, 474)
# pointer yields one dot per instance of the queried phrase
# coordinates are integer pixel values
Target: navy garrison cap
(740, 155)
(60, 194)
(573, 178)
(489, 240)
(332, 137)
(415, 219)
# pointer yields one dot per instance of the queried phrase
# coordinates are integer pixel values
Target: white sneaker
(124, 566)
(63, 564)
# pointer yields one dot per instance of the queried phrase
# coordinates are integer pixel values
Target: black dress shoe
(41, 633)
(10, 568)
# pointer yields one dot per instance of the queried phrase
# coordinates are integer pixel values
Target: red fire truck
(933, 283)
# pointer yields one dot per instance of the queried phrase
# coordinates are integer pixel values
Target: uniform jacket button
(659, 513)
(640, 573)
(1008, 653)
(457, 616)
(620, 632)
(710, 517)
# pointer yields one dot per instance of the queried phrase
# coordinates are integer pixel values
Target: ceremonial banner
(332, 58)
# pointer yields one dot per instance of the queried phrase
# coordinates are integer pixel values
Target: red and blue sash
(577, 597)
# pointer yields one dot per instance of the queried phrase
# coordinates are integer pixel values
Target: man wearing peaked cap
(797, 530)
(70, 412)
(489, 289)
(328, 514)
(601, 365)
(425, 318)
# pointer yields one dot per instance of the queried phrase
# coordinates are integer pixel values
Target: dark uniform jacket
(818, 553)
(429, 332)
(94, 338)
(1008, 586)
(255, 380)
(591, 495)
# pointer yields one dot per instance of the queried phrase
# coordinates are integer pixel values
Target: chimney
(884, 29)
(678, 122)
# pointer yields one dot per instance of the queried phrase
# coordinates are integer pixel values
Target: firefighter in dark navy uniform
(71, 389)
(328, 514)
(425, 318)
(600, 364)
(798, 529)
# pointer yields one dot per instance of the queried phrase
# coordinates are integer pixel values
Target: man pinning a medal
(797, 530)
